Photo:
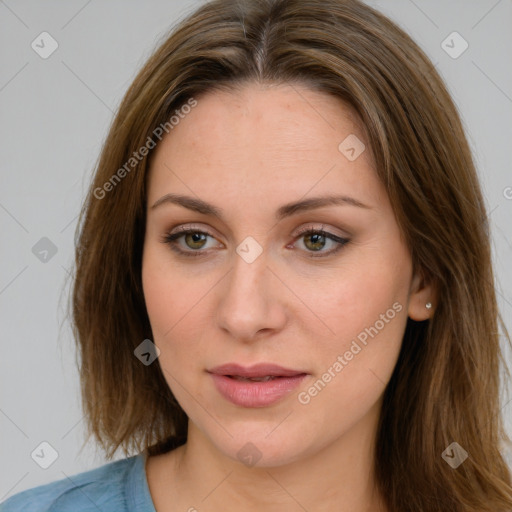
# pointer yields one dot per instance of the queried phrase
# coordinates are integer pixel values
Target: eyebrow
(200, 206)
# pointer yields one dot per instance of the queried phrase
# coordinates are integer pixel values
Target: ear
(421, 293)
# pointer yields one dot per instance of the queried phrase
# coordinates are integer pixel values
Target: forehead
(275, 117)
(263, 140)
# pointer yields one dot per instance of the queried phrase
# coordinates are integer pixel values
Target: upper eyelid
(302, 230)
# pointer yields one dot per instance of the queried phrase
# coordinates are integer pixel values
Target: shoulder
(102, 488)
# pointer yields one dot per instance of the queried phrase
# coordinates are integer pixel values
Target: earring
(428, 305)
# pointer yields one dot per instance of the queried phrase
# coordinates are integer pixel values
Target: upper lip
(257, 370)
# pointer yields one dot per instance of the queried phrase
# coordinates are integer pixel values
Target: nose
(251, 300)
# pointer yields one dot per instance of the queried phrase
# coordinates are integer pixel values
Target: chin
(253, 446)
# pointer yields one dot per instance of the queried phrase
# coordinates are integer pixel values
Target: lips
(260, 385)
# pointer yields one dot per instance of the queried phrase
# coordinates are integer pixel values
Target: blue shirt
(119, 486)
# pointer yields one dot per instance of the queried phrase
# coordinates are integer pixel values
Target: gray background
(55, 113)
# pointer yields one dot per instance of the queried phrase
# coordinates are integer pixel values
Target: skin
(249, 152)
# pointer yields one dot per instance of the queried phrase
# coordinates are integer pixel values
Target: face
(323, 291)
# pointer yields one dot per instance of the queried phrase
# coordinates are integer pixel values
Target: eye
(193, 238)
(316, 239)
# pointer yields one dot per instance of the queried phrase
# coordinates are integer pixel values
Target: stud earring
(428, 305)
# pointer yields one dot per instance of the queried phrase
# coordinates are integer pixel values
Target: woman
(284, 293)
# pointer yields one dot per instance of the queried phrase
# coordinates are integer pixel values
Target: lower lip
(255, 394)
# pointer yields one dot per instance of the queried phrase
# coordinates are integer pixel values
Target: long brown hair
(445, 387)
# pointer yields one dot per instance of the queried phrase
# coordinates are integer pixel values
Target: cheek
(359, 298)
(352, 370)
(170, 297)
(158, 295)
(359, 339)
(175, 306)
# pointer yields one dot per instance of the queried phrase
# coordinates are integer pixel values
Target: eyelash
(172, 238)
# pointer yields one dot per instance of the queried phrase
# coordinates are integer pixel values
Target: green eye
(316, 239)
(194, 240)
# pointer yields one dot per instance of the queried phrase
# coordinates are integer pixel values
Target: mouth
(255, 386)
